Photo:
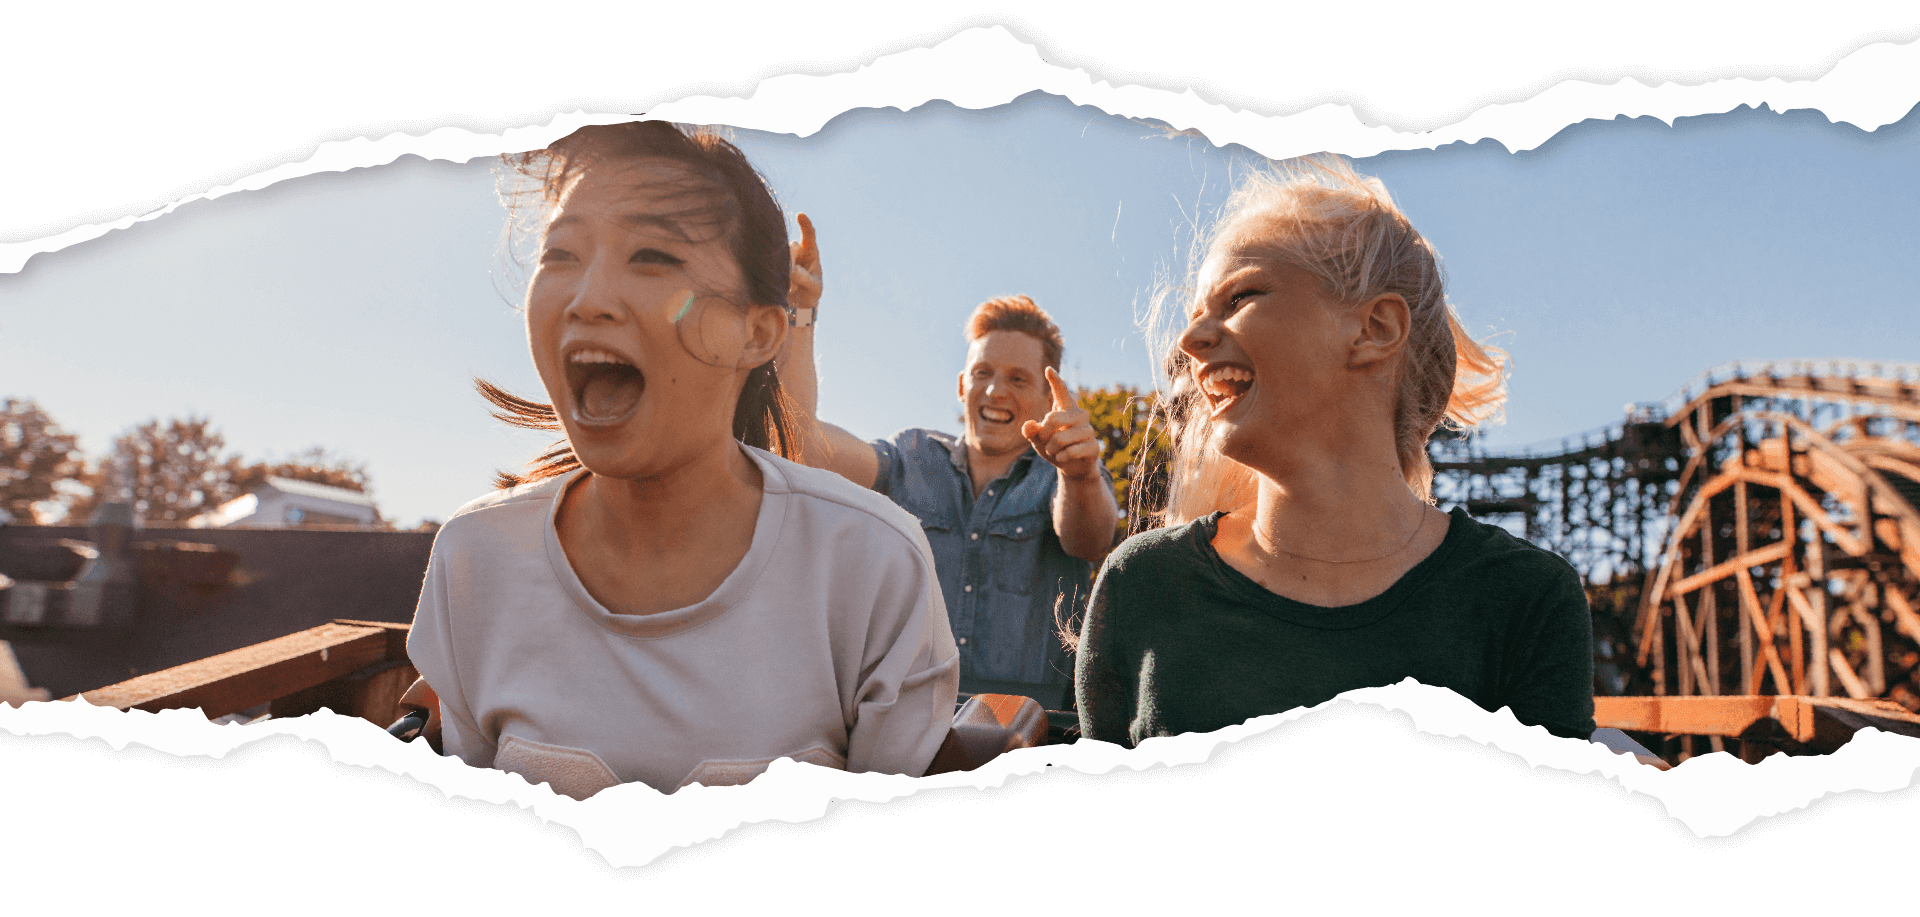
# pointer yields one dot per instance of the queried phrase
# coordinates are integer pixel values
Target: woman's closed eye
(1240, 298)
(1226, 307)
(654, 256)
(556, 256)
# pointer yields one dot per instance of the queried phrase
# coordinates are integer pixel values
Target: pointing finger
(1062, 399)
(807, 254)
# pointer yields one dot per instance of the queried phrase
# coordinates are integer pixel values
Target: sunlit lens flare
(711, 327)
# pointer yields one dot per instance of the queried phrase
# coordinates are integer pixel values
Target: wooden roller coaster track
(1757, 533)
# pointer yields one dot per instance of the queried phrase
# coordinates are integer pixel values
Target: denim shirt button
(967, 588)
(962, 641)
(974, 536)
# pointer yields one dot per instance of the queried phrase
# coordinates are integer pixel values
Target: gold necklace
(1402, 547)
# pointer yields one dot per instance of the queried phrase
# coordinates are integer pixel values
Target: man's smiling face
(1003, 386)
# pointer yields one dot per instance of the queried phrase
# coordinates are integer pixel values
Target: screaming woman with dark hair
(661, 598)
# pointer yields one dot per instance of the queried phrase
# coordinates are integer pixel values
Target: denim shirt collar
(958, 452)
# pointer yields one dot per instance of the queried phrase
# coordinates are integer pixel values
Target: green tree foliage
(36, 457)
(1136, 451)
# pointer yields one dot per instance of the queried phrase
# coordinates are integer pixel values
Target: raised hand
(1065, 436)
(803, 279)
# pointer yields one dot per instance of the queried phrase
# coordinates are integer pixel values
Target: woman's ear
(766, 334)
(1384, 322)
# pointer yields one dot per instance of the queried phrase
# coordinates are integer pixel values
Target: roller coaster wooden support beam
(1762, 724)
(1895, 397)
(1815, 523)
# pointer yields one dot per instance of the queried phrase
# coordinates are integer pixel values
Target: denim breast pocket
(1013, 551)
(936, 523)
(942, 529)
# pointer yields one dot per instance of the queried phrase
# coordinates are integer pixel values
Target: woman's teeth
(606, 388)
(1223, 383)
(595, 356)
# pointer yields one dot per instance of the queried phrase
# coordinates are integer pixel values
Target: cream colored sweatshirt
(828, 644)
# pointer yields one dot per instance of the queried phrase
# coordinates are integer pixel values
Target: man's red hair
(1018, 313)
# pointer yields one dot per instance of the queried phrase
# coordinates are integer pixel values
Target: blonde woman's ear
(1384, 323)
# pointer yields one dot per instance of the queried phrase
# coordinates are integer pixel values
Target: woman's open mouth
(1223, 384)
(606, 388)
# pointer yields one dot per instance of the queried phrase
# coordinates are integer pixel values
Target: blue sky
(350, 310)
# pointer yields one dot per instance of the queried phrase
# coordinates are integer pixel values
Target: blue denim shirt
(1001, 567)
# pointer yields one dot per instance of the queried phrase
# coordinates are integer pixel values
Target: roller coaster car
(985, 727)
(361, 669)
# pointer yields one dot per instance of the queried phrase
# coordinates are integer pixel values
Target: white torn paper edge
(634, 825)
(984, 68)
(1871, 84)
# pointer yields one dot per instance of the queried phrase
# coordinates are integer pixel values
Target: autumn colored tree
(1136, 451)
(36, 457)
(315, 465)
(174, 471)
(170, 473)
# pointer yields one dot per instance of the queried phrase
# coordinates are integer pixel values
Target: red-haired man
(1017, 509)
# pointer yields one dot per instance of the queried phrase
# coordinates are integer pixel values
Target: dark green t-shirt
(1177, 641)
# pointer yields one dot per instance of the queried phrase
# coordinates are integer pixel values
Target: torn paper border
(630, 825)
(985, 68)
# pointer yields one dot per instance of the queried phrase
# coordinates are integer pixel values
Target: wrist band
(800, 318)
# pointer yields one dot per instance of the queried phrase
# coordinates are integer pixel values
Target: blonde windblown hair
(1343, 228)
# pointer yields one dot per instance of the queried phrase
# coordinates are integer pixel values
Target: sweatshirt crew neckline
(732, 591)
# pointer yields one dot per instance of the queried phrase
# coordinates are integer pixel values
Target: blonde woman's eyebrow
(1217, 289)
(1247, 266)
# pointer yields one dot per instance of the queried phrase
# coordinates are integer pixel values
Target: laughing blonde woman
(1304, 557)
